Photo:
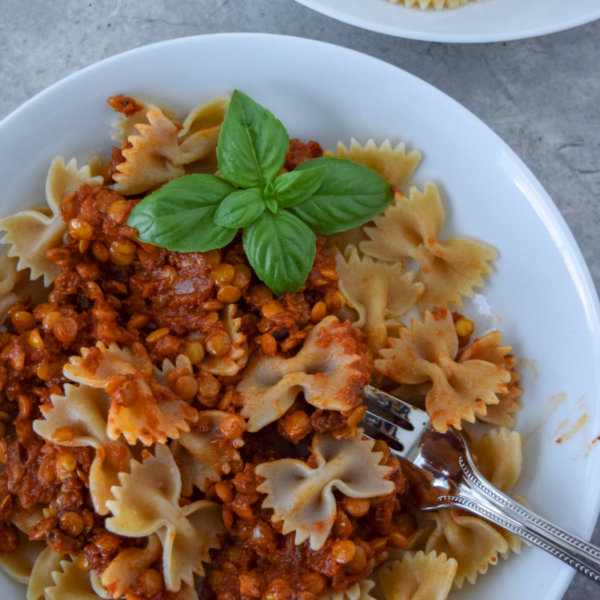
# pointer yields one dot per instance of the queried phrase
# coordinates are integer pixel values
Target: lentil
(233, 427)
(157, 335)
(218, 343)
(343, 551)
(194, 350)
(268, 344)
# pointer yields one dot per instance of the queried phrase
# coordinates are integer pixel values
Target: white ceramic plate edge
(472, 38)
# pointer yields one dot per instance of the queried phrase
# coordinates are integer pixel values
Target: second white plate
(484, 21)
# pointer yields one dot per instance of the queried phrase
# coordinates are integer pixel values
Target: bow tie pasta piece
(148, 158)
(72, 583)
(97, 365)
(395, 164)
(205, 455)
(168, 368)
(32, 232)
(171, 374)
(303, 498)
(418, 577)
(488, 348)
(125, 569)
(343, 239)
(331, 369)
(377, 291)
(427, 352)
(47, 563)
(435, 4)
(499, 457)
(83, 410)
(141, 408)
(147, 502)
(202, 118)
(8, 273)
(79, 418)
(20, 563)
(160, 149)
(124, 125)
(409, 228)
(22, 518)
(237, 357)
(144, 410)
(359, 591)
(471, 541)
(8, 280)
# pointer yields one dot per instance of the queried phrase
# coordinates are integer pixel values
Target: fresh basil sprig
(279, 213)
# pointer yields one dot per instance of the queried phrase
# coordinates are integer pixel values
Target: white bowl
(541, 294)
(485, 21)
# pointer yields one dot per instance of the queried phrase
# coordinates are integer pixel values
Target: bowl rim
(553, 220)
(322, 7)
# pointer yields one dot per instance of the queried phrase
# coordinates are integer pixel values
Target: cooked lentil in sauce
(113, 288)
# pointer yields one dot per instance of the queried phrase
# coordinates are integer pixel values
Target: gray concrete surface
(542, 96)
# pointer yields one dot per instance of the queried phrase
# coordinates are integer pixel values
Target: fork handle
(475, 494)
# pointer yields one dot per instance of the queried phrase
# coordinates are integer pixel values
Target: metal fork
(406, 428)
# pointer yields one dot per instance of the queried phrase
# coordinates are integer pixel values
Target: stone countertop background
(542, 95)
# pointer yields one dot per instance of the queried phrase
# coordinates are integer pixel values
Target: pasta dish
(188, 329)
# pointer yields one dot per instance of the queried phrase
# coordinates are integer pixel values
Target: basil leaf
(240, 209)
(272, 204)
(179, 216)
(297, 186)
(350, 195)
(281, 249)
(252, 143)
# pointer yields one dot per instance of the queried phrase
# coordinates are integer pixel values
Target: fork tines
(394, 421)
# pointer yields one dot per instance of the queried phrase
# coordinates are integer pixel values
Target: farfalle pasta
(126, 568)
(158, 150)
(140, 408)
(146, 502)
(489, 348)
(32, 233)
(500, 457)
(410, 228)
(167, 419)
(302, 497)
(71, 583)
(329, 370)
(80, 418)
(377, 291)
(8, 275)
(435, 4)
(418, 577)
(205, 455)
(471, 541)
(132, 111)
(20, 563)
(427, 352)
(47, 563)
(394, 163)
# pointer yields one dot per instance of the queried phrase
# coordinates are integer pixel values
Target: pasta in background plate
(435, 4)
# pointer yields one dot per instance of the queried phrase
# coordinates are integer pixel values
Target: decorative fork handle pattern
(477, 495)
